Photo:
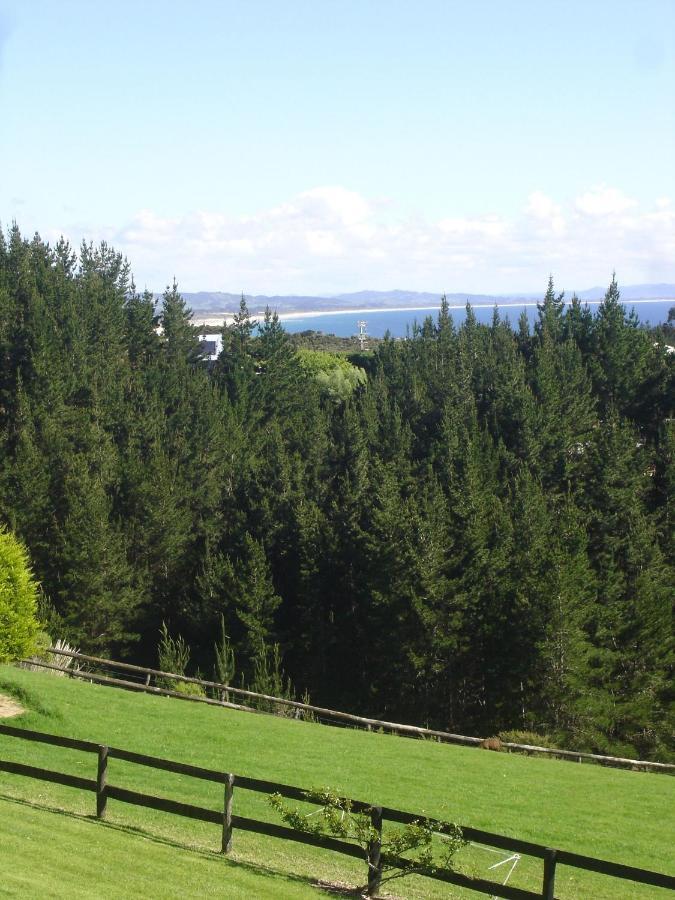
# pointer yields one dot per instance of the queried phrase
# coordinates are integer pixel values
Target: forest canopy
(475, 535)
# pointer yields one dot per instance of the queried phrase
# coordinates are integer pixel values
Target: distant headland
(207, 305)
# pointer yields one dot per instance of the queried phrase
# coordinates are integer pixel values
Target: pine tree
(565, 413)
(620, 355)
(551, 312)
(251, 594)
(97, 592)
(143, 341)
(631, 623)
(180, 336)
(562, 701)
(236, 366)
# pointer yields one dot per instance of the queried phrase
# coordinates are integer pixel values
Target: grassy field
(79, 857)
(606, 813)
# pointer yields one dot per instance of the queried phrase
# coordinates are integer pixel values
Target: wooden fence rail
(329, 714)
(228, 822)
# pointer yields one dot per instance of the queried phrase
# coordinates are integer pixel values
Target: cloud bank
(331, 239)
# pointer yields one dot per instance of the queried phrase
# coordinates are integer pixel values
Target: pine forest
(470, 529)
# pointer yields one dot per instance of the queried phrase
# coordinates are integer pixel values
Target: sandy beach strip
(227, 317)
(216, 319)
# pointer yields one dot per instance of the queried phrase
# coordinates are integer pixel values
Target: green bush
(18, 600)
(336, 377)
(174, 656)
(189, 688)
(531, 738)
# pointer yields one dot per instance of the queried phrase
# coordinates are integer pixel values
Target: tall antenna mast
(362, 335)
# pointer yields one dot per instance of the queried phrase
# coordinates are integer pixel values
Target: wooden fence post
(548, 888)
(375, 852)
(227, 814)
(101, 779)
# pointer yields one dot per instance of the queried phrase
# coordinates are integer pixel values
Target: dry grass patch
(9, 707)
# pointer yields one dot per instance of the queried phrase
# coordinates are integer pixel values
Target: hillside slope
(602, 812)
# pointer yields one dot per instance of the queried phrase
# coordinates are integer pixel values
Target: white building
(211, 345)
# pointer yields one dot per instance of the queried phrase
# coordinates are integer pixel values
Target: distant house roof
(211, 345)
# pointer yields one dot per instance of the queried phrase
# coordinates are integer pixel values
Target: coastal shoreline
(226, 318)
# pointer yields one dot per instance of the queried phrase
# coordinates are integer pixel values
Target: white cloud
(546, 212)
(604, 201)
(487, 226)
(348, 206)
(323, 243)
(322, 204)
(330, 239)
(541, 206)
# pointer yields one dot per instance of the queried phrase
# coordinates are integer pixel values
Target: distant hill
(220, 301)
(633, 292)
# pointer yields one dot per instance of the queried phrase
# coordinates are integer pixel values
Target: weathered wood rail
(228, 821)
(329, 715)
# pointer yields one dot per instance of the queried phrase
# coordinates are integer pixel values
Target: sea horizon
(398, 321)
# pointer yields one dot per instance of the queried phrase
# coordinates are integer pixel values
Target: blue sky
(334, 145)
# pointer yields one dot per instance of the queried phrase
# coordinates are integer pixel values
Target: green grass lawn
(606, 813)
(52, 853)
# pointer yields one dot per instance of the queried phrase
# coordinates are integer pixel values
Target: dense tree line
(477, 535)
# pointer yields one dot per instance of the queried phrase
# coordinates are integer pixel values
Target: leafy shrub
(307, 714)
(18, 600)
(188, 688)
(337, 818)
(225, 665)
(43, 642)
(528, 737)
(336, 377)
(269, 678)
(174, 655)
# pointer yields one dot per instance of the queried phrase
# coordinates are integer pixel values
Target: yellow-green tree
(18, 600)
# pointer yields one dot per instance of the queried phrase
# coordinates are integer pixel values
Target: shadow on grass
(211, 856)
(28, 698)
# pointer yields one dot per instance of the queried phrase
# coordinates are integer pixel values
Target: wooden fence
(228, 821)
(295, 707)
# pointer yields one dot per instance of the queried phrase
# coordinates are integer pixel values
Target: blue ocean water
(400, 322)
